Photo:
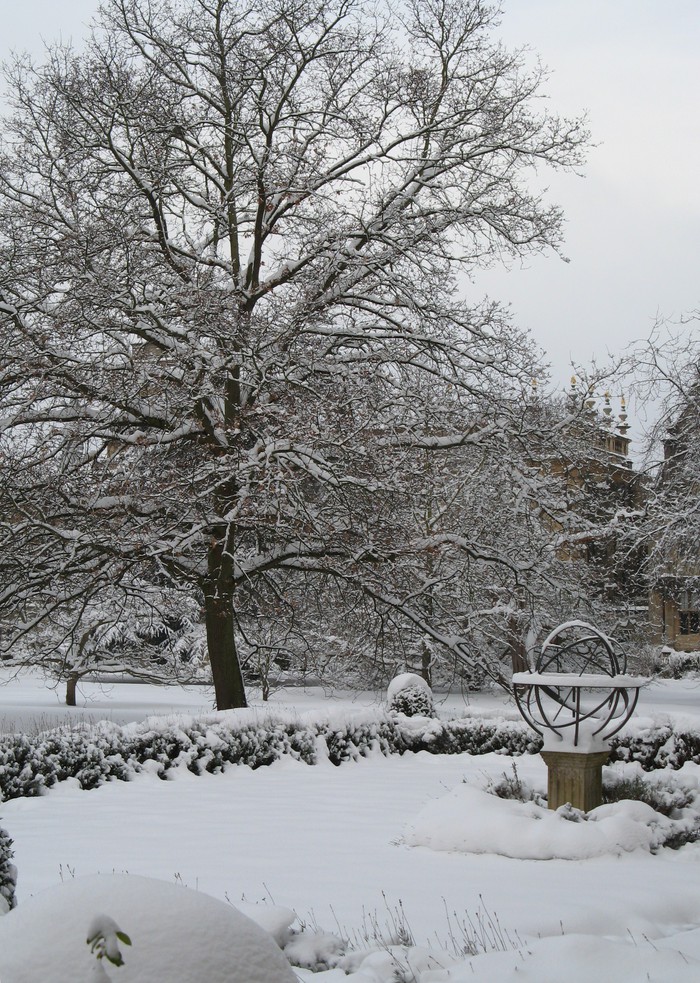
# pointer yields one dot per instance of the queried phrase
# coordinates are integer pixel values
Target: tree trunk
(518, 650)
(426, 663)
(221, 639)
(71, 684)
(223, 656)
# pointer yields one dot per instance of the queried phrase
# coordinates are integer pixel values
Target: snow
(470, 820)
(350, 851)
(587, 628)
(586, 741)
(28, 702)
(579, 957)
(582, 680)
(177, 934)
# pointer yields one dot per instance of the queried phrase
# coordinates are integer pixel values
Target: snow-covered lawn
(331, 844)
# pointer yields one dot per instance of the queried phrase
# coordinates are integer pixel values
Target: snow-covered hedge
(95, 754)
(657, 747)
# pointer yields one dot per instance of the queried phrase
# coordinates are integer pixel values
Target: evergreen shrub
(8, 873)
(408, 693)
(107, 752)
(664, 790)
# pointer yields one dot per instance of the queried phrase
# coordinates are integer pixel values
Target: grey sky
(633, 222)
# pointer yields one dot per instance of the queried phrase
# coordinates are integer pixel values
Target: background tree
(666, 374)
(228, 240)
(141, 631)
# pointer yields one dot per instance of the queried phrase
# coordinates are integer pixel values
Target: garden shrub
(95, 754)
(512, 786)
(674, 798)
(664, 790)
(359, 738)
(410, 694)
(8, 873)
(474, 736)
(678, 665)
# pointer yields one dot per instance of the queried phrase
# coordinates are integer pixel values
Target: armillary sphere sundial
(577, 698)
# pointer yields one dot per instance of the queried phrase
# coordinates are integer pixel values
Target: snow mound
(178, 935)
(470, 820)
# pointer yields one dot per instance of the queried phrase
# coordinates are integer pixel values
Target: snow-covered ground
(28, 702)
(332, 844)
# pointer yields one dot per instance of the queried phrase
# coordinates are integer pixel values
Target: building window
(689, 622)
(689, 612)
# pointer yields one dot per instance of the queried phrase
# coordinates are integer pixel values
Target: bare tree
(666, 373)
(228, 240)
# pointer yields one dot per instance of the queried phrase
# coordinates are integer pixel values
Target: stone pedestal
(575, 778)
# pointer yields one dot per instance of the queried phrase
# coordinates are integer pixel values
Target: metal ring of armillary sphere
(579, 689)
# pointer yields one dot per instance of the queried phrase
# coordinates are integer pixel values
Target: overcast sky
(633, 221)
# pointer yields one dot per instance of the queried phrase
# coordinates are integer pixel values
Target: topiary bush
(409, 694)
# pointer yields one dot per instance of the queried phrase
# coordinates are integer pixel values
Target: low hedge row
(98, 753)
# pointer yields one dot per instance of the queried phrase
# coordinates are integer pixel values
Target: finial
(623, 426)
